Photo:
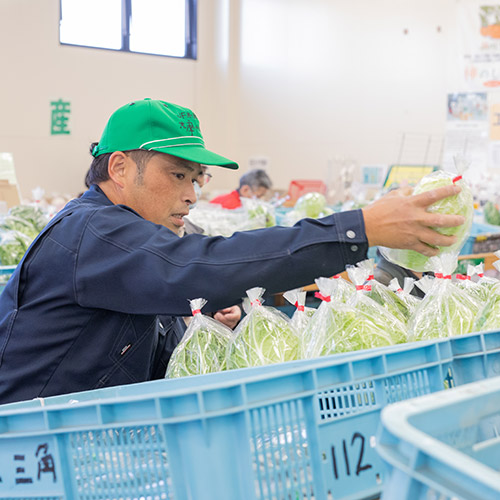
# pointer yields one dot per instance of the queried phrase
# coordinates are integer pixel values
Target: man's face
(164, 191)
(258, 192)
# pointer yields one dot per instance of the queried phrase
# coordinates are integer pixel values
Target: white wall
(297, 81)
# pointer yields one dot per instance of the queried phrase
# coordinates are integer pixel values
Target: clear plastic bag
(264, 336)
(335, 327)
(446, 310)
(425, 283)
(488, 317)
(488, 283)
(475, 291)
(302, 314)
(459, 204)
(404, 293)
(383, 295)
(375, 325)
(312, 205)
(218, 221)
(345, 289)
(259, 213)
(202, 348)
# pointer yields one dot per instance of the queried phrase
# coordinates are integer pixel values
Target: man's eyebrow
(181, 163)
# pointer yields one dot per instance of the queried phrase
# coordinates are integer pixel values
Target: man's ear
(117, 168)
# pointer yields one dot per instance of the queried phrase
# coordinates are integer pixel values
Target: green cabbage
(204, 351)
(263, 337)
(333, 329)
(379, 327)
(459, 204)
(489, 316)
(445, 311)
(203, 347)
(381, 294)
(312, 205)
(302, 314)
(376, 326)
(491, 213)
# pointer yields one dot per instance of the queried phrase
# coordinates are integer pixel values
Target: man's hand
(229, 316)
(401, 220)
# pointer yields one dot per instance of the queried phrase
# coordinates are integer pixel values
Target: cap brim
(198, 155)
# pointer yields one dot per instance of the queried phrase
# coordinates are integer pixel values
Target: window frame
(191, 39)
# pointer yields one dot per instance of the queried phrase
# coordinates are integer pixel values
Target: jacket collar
(96, 195)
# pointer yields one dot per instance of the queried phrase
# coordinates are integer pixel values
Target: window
(160, 27)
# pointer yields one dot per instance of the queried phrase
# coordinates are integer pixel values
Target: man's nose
(190, 194)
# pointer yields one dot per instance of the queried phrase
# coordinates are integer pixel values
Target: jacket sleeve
(128, 264)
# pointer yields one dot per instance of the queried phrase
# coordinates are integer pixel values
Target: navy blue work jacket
(81, 310)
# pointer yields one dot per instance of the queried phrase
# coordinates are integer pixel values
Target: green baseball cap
(161, 126)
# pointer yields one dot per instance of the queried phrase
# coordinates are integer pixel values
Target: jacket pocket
(131, 353)
(9, 321)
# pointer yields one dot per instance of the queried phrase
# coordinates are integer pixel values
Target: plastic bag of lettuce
(383, 295)
(264, 336)
(459, 204)
(446, 310)
(336, 327)
(202, 348)
(302, 313)
(380, 327)
(404, 293)
(488, 317)
(312, 205)
(260, 213)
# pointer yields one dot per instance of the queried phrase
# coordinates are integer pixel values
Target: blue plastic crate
(5, 274)
(483, 238)
(299, 430)
(444, 446)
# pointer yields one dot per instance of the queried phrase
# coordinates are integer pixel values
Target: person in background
(385, 271)
(254, 184)
(81, 310)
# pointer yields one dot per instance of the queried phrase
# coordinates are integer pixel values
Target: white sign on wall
(479, 44)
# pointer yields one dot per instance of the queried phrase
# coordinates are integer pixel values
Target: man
(254, 184)
(81, 310)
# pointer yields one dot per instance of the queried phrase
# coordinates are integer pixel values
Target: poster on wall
(494, 133)
(467, 129)
(478, 28)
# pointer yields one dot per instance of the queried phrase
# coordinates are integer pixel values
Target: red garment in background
(229, 200)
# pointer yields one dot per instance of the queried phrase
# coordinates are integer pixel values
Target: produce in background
(312, 205)
(491, 213)
(264, 336)
(379, 328)
(384, 295)
(446, 310)
(17, 231)
(335, 327)
(302, 313)
(404, 293)
(203, 346)
(459, 204)
(260, 214)
(218, 221)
